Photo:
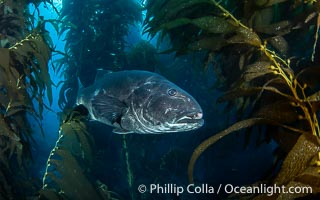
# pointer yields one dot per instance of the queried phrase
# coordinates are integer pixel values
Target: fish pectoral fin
(107, 107)
(121, 131)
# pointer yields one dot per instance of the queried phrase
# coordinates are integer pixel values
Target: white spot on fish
(96, 92)
(167, 110)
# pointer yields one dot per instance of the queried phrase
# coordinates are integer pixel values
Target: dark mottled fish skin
(141, 102)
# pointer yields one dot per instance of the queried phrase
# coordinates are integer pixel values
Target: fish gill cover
(263, 59)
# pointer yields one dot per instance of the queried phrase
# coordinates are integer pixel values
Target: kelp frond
(34, 51)
(24, 76)
(70, 161)
(24, 83)
(253, 55)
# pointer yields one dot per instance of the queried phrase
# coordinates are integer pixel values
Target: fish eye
(172, 92)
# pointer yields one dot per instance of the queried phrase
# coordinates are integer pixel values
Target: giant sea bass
(140, 102)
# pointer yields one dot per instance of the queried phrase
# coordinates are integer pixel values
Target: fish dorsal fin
(101, 73)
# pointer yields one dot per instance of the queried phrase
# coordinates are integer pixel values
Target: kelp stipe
(130, 175)
(256, 72)
(69, 163)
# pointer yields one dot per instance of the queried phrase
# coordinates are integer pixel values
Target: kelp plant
(95, 32)
(269, 64)
(69, 163)
(24, 82)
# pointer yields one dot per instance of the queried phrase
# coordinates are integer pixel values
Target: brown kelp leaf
(276, 91)
(173, 24)
(280, 44)
(161, 12)
(43, 58)
(35, 52)
(256, 69)
(76, 137)
(309, 76)
(70, 159)
(4, 57)
(262, 17)
(278, 28)
(235, 127)
(70, 141)
(311, 176)
(265, 3)
(280, 111)
(213, 43)
(238, 92)
(6, 130)
(15, 107)
(70, 170)
(171, 9)
(298, 159)
(49, 194)
(213, 24)
(86, 141)
(11, 142)
(249, 91)
(245, 36)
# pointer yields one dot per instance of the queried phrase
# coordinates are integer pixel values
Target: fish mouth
(192, 118)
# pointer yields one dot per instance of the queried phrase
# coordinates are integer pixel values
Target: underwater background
(252, 65)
